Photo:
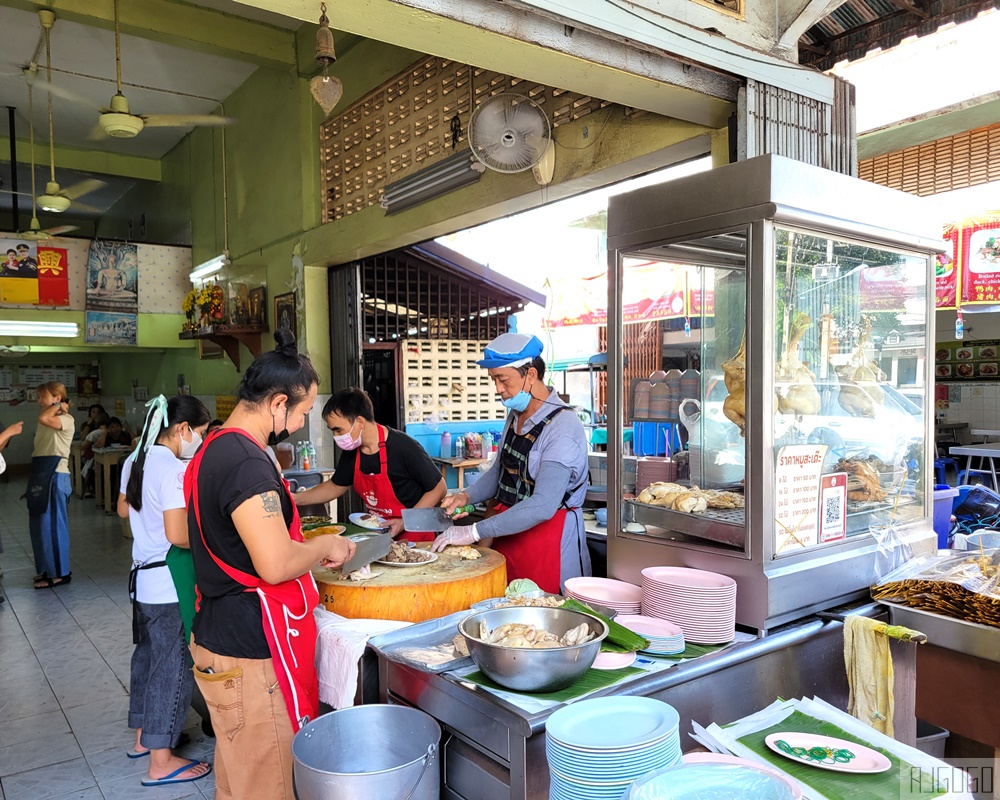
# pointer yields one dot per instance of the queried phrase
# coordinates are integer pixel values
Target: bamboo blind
(405, 125)
(788, 124)
(966, 159)
(642, 343)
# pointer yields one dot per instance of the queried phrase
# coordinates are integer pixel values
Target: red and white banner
(979, 258)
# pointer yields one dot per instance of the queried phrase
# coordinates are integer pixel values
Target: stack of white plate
(665, 638)
(702, 603)
(625, 598)
(596, 748)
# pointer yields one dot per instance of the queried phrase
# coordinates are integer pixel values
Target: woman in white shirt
(153, 500)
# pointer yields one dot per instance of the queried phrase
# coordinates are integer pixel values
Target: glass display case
(808, 297)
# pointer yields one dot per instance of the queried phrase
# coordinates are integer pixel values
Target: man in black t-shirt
(407, 479)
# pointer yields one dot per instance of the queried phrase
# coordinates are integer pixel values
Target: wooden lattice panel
(405, 125)
(966, 159)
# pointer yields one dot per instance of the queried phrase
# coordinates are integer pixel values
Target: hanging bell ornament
(326, 90)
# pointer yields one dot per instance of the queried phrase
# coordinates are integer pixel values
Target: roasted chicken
(735, 369)
(800, 397)
(860, 393)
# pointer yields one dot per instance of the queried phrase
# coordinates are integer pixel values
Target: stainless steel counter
(495, 750)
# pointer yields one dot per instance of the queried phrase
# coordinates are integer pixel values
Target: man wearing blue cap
(538, 480)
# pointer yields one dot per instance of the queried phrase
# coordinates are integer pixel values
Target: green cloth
(181, 566)
(900, 780)
(590, 681)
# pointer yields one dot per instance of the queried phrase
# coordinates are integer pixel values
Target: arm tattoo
(272, 505)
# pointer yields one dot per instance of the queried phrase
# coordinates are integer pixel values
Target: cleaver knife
(433, 520)
(367, 551)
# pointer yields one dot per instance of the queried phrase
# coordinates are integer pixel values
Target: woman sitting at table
(389, 470)
(116, 433)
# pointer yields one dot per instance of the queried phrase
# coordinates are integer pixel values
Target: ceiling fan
(117, 120)
(35, 232)
(55, 198)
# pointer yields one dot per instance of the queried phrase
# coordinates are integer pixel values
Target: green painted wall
(159, 371)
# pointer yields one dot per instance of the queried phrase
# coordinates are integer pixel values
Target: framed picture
(284, 313)
(208, 350)
(258, 309)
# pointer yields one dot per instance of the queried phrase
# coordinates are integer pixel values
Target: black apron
(43, 472)
(515, 484)
(133, 577)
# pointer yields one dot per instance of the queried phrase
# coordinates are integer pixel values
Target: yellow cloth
(869, 672)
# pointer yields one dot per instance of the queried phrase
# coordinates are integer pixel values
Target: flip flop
(44, 583)
(172, 777)
(183, 740)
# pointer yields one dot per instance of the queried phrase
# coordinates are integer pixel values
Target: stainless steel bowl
(526, 669)
(498, 602)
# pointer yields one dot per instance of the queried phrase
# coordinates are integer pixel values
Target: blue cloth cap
(511, 350)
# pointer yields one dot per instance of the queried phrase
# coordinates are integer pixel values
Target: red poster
(946, 271)
(884, 288)
(53, 276)
(979, 245)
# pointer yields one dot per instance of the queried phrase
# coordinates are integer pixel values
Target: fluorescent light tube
(209, 267)
(61, 330)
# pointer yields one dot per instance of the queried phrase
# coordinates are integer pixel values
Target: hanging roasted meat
(860, 392)
(800, 397)
(734, 406)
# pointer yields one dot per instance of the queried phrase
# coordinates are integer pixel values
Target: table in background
(104, 462)
(76, 467)
(459, 465)
(987, 451)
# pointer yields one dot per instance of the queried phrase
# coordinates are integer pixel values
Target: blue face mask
(518, 402)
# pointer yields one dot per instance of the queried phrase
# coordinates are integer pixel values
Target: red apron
(289, 625)
(378, 495)
(534, 553)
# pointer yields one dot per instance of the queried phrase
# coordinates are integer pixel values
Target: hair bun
(284, 342)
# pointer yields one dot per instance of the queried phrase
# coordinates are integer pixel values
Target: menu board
(797, 474)
(964, 361)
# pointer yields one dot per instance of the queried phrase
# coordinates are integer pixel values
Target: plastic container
(943, 496)
(931, 739)
(446, 445)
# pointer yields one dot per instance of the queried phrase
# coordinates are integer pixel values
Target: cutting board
(415, 594)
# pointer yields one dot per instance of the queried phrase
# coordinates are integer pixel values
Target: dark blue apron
(43, 472)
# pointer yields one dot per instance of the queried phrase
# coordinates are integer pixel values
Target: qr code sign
(833, 508)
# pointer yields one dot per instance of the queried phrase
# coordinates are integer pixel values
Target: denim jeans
(50, 530)
(161, 678)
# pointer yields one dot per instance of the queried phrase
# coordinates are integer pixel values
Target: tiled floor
(64, 669)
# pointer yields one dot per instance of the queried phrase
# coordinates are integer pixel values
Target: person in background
(49, 487)
(389, 470)
(254, 631)
(116, 433)
(152, 500)
(6, 435)
(94, 414)
(98, 429)
(214, 425)
(538, 480)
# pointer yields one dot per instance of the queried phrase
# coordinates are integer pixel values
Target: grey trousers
(161, 677)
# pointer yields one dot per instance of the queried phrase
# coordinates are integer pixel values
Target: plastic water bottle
(312, 454)
(446, 445)
(487, 447)
(959, 326)
(460, 447)
(306, 461)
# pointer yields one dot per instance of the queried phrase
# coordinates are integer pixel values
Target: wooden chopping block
(415, 594)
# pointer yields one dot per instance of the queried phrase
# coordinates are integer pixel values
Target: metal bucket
(374, 751)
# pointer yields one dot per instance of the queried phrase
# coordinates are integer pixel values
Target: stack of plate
(702, 603)
(596, 748)
(654, 470)
(624, 598)
(665, 638)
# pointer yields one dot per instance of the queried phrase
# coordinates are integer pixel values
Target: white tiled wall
(976, 404)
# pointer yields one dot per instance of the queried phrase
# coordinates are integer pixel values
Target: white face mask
(188, 449)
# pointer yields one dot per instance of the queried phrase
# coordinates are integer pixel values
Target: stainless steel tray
(971, 638)
(719, 525)
(432, 633)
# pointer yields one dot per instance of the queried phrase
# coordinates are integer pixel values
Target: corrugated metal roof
(857, 27)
